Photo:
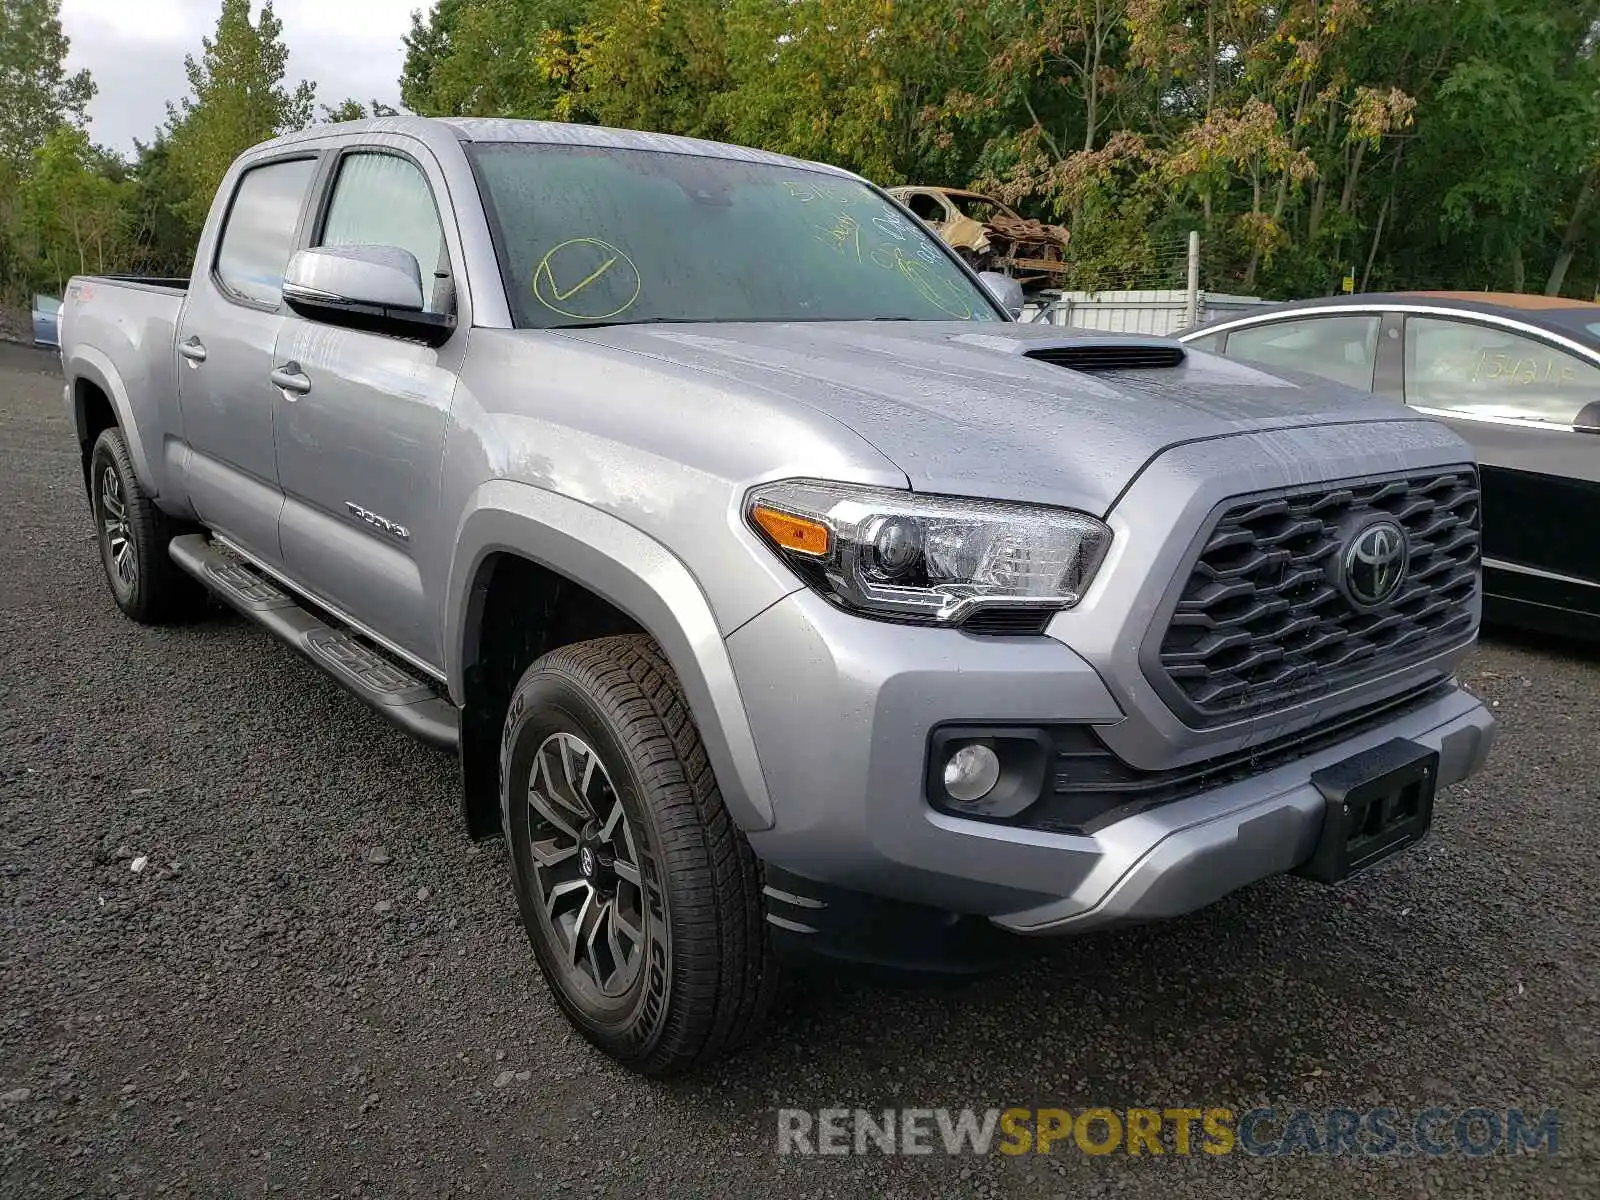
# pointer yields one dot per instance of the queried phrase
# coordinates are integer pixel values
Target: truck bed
(118, 336)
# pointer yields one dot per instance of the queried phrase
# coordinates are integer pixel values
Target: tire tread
(165, 595)
(725, 979)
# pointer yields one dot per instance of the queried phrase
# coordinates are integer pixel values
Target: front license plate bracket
(1376, 803)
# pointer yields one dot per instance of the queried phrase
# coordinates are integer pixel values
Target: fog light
(971, 773)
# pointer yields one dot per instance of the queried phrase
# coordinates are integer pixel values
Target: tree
(238, 99)
(1522, 108)
(482, 58)
(653, 65)
(1417, 143)
(427, 45)
(74, 214)
(351, 109)
(36, 93)
(163, 238)
(850, 81)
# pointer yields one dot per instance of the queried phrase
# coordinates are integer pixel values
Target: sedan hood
(962, 410)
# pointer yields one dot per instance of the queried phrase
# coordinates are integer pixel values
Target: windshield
(591, 235)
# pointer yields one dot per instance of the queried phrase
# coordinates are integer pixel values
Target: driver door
(361, 434)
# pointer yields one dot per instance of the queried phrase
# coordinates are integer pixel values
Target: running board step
(413, 704)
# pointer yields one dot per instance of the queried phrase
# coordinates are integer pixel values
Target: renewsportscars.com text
(1262, 1132)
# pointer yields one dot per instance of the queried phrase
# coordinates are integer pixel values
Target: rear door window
(1340, 348)
(1485, 371)
(258, 238)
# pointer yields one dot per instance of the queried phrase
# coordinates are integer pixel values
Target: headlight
(933, 558)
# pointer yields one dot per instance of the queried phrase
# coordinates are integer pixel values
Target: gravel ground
(16, 324)
(265, 1008)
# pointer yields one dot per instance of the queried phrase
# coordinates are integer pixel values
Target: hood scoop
(1111, 354)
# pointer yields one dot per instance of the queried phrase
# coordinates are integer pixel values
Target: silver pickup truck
(780, 592)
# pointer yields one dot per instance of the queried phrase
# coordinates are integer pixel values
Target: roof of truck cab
(548, 133)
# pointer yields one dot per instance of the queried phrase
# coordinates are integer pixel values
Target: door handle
(292, 380)
(193, 349)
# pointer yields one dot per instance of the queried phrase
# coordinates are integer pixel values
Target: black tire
(704, 978)
(132, 534)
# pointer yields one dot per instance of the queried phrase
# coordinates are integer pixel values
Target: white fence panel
(1159, 311)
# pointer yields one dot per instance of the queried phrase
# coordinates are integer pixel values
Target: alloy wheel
(117, 531)
(586, 865)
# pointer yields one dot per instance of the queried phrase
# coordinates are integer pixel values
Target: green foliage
(1411, 143)
(41, 117)
(351, 109)
(640, 64)
(850, 81)
(163, 238)
(1408, 141)
(36, 93)
(73, 215)
(237, 100)
(1515, 123)
(476, 58)
(427, 45)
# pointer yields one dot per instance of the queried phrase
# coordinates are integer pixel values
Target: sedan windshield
(591, 235)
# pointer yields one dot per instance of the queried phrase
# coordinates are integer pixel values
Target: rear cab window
(259, 233)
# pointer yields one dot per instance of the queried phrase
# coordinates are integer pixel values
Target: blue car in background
(46, 321)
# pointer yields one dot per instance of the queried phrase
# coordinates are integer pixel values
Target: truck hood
(961, 410)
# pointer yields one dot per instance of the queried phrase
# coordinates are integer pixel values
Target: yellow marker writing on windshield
(580, 254)
(583, 283)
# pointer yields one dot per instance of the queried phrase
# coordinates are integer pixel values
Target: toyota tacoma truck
(780, 592)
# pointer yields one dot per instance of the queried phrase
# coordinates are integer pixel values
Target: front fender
(95, 367)
(641, 577)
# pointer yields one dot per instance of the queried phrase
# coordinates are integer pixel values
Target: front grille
(1259, 622)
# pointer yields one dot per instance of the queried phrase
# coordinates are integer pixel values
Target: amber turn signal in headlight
(794, 534)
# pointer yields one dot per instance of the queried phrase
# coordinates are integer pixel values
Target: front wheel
(640, 896)
(133, 535)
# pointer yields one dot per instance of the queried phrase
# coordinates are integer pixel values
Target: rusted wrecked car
(990, 236)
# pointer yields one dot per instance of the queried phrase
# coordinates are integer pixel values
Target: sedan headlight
(930, 558)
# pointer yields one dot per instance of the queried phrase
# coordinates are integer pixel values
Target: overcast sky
(135, 50)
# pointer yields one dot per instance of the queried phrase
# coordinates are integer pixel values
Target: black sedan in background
(1517, 376)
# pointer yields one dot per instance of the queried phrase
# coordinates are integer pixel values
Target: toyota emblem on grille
(1374, 563)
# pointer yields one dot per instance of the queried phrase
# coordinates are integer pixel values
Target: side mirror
(376, 288)
(1004, 289)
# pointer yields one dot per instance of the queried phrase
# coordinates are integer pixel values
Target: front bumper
(841, 709)
(1187, 854)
